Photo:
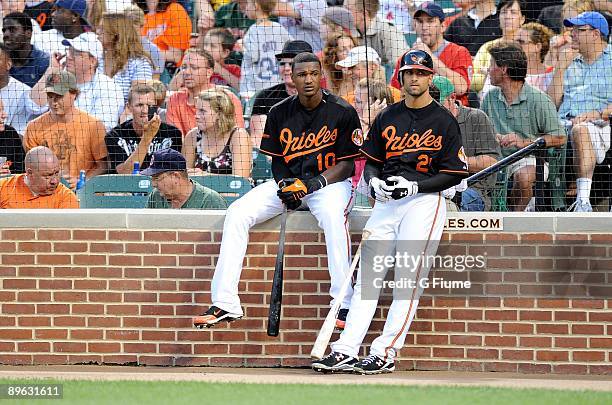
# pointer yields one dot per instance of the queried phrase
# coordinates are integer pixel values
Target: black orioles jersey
(416, 143)
(310, 142)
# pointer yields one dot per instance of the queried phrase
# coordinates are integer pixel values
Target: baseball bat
(508, 160)
(276, 296)
(318, 349)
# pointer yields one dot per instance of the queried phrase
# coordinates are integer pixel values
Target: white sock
(583, 189)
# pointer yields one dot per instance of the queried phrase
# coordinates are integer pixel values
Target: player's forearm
(370, 171)
(137, 156)
(480, 162)
(555, 89)
(339, 172)
(439, 182)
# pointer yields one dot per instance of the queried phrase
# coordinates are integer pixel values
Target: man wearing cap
(76, 138)
(480, 25)
(99, 95)
(364, 62)
(266, 98)
(174, 189)
(68, 22)
(582, 89)
(413, 152)
(520, 113)
(450, 60)
(478, 139)
(384, 37)
(29, 63)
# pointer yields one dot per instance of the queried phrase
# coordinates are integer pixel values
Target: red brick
(59, 309)
(500, 341)
(175, 323)
(84, 359)
(139, 297)
(90, 260)
(69, 296)
(139, 348)
(501, 237)
(125, 235)
(157, 310)
(122, 334)
(570, 316)
(482, 354)
(519, 302)
(53, 234)
(431, 313)
(213, 249)
(8, 247)
(105, 297)
(156, 360)
(589, 304)
(534, 368)
(88, 234)
(282, 350)
(547, 355)
(7, 296)
(571, 342)
(50, 359)
(502, 315)
(449, 326)
(73, 272)
(33, 346)
(69, 347)
(92, 309)
(555, 329)
(160, 285)
(106, 272)
(7, 346)
(68, 321)
(500, 367)
(507, 354)
(193, 336)
(125, 260)
(158, 335)
(195, 236)
(34, 296)
(121, 359)
(486, 302)
(148, 248)
(18, 234)
(122, 309)
(587, 329)
(536, 238)
(600, 369)
(160, 261)
(86, 334)
(176, 348)
(103, 322)
(465, 340)
(18, 284)
(138, 322)
(416, 352)
(538, 341)
(569, 369)
(19, 309)
(535, 315)
(432, 339)
(517, 328)
(124, 285)
(70, 247)
(161, 236)
(190, 261)
(431, 365)
(51, 334)
(588, 356)
(16, 359)
(106, 248)
(178, 249)
(55, 284)
(602, 343)
(53, 259)
(90, 284)
(483, 327)
(34, 247)
(104, 347)
(17, 259)
(447, 352)
(15, 334)
(34, 321)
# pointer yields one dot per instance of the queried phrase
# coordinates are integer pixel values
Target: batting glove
(378, 190)
(400, 187)
(291, 191)
(449, 193)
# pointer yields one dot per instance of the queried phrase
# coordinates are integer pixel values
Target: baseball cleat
(373, 365)
(341, 319)
(213, 316)
(335, 362)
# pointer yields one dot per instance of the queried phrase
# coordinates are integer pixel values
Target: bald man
(39, 186)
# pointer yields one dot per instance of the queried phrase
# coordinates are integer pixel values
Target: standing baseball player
(413, 152)
(312, 138)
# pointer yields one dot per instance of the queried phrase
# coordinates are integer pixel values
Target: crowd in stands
(113, 87)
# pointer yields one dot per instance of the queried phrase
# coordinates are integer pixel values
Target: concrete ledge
(300, 221)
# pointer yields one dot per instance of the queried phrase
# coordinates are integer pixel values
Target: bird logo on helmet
(415, 59)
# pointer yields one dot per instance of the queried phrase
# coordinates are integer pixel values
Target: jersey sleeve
(453, 159)
(373, 147)
(350, 137)
(270, 143)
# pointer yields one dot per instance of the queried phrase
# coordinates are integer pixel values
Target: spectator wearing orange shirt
(197, 69)
(39, 186)
(168, 26)
(75, 137)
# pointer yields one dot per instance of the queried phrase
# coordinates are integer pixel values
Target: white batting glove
(379, 190)
(461, 186)
(449, 193)
(402, 187)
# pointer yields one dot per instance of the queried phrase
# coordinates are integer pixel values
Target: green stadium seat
(115, 191)
(230, 187)
(262, 167)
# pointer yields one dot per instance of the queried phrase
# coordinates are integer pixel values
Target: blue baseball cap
(431, 9)
(592, 18)
(78, 7)
(165, 160)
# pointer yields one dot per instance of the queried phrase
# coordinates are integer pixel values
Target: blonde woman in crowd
(124, 57)
(136, 15)
(217, 145)
(338, 80)
(535, 41)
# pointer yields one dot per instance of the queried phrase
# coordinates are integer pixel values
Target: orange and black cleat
(213, 316)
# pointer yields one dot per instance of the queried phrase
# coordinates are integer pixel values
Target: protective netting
(109, 86)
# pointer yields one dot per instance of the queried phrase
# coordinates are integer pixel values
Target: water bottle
(136, 168)
(81, 182)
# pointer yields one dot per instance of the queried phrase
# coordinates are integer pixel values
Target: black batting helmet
(415, 59)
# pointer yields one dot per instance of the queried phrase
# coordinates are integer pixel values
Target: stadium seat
(115, 191)
(361, 201)
(229, 186)
(262, 168)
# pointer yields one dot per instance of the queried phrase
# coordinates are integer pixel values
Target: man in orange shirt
(197, 69)
(39, 186)
(75, 137)
(168, 26)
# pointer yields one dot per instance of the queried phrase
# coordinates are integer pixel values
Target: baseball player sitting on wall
(312, 138)
(413, 152)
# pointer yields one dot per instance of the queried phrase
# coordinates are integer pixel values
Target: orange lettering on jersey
(398, 145)
(307, 143)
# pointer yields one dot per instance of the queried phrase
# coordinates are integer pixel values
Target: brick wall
(74, 295)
